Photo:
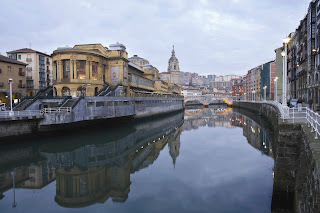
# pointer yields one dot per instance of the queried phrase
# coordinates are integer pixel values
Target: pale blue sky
(210, 36)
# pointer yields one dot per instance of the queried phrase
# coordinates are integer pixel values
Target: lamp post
(10, 81)
(275, 88)
(265, 93)
(284, 86)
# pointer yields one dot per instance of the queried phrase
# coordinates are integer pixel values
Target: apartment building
(39, 68)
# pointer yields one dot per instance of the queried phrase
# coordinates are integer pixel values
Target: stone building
(39, 68)
(86, 70)
(173, 73)
(10, 68)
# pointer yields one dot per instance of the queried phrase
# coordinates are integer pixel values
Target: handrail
(57, 109)
(64, 101)
(75, 104)
(300, 114)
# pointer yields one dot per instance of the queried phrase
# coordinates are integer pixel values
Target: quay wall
(297, 158)
(88, 110)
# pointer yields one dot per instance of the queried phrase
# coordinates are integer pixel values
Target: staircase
(21, 106)
(27, 101)
(69, 103)
(104, 90)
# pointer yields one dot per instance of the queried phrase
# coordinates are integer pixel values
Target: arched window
(55, 91)
(96, 91)
(81, 91)
(317, 77)
(65, 91)
(174, 67)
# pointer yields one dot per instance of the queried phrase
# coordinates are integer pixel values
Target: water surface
(206, 160)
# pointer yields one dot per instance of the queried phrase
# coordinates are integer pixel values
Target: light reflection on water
(212, 161)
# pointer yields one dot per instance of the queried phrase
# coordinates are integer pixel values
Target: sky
(210, 36)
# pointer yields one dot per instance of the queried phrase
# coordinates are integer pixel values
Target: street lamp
(275, 88)
(284, 86)
(265, 93)
(10, 81)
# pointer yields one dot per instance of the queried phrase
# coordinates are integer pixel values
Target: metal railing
(58, 109)
(33, 113)
(298, 115)
(24, 113)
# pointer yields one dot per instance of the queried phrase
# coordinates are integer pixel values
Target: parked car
(294, 103)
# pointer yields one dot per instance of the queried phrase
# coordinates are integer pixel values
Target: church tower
(174, 69)
(174, 145)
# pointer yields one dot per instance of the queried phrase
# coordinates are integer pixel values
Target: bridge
(206, 100)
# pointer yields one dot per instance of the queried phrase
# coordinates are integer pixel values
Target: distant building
(39, 68)
(138, 61)
(191, 92)
(173, 73)
(11, 68)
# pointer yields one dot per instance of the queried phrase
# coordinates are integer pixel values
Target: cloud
(217, 36)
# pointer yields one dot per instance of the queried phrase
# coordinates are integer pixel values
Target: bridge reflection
(217, 116)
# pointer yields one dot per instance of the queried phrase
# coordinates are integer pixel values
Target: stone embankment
(86, 111)
(297, 159)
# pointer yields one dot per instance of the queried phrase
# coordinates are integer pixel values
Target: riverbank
(297, 159)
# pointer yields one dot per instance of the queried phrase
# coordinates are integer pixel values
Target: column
(100, 68)
(75, 69)
(59, 70)
(54, 70)
(71, 69)
(88, 73)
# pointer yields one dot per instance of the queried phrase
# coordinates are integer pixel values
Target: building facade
(16, 70)
(90, 69)
(39, 69)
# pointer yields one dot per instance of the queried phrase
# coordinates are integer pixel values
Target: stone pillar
(54, 70)
(100, 68)
(75, 69)
(88, 69)
(59, 70)
(71, 69)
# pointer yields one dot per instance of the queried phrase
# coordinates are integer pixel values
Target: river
(201, 160)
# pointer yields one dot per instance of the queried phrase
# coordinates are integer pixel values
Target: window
(94, 70)
(66, 69)
(19, 56)
(9, 68)
(81, 69)
(65, 91)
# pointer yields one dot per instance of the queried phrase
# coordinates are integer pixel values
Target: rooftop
(27, 50)
(11, 61)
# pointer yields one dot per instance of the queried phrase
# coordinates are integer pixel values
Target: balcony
(30, 84)
(21, 73)
(1, 84)
(29, 78)
(29, 59)
(141, 82)
(29, 68)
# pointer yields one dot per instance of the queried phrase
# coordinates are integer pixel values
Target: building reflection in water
(222, 116)
(96, 168)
